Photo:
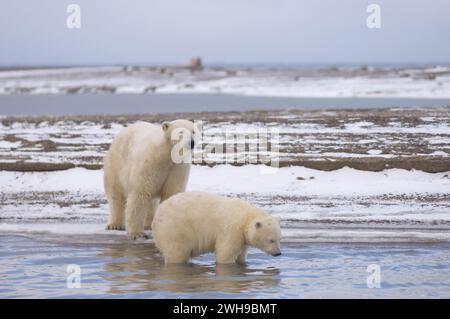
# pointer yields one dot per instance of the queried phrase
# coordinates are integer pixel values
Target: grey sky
(149, 31)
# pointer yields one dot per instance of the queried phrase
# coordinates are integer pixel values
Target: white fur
(139, 173)
(193, 223)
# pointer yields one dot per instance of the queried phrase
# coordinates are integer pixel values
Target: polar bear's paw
(136, 235)
(115, 227)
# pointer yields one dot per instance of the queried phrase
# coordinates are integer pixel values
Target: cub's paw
(115, 227)
(136, 235)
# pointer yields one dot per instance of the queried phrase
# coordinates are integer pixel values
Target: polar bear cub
(193, 223)
(140, 171)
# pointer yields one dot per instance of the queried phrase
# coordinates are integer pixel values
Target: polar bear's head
(265, 234)
(182, 136)
(180, 131)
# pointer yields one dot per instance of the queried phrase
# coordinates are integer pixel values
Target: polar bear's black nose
(192, 144)
(277, 254)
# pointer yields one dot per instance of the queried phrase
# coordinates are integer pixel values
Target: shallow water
(34, 269)
(89, 104)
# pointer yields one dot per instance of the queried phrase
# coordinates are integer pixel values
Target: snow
(414, 83)
(345, 205)
(374, 152)
(74, 180)
(250, 179)
(344, 182)
(6, 144)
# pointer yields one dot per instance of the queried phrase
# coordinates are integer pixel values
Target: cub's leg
(241, 258)
(226, 252)
(175, 247)
(174, 256)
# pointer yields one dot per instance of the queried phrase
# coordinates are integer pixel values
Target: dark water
(167, 103)
(34, 269)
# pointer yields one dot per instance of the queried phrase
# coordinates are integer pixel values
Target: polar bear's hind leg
(135, 214)
(177, 256)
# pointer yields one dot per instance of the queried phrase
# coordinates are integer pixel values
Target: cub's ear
(258, 225)
(165, 125)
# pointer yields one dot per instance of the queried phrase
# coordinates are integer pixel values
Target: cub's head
(181, 134)
(265, 234)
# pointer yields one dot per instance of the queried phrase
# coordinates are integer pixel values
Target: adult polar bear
(140, 171)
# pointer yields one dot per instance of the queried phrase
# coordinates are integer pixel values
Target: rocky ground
(365, 139)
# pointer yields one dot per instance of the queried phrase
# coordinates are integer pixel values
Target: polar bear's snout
(277, 254)
(273, 250)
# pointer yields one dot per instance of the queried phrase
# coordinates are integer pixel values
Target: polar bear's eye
(272, 241)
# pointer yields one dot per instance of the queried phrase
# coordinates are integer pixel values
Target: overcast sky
(257, 31)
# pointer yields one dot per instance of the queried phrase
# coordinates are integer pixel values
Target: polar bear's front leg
(227, 250)
(150, 213)
(176, 181)
(242, 257)
(135, 214)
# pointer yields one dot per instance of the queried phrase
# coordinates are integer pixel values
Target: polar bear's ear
(198, 126)
(258, 225)
(165, 125)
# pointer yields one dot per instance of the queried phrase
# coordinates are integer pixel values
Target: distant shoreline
(224, 64)
(225, 81)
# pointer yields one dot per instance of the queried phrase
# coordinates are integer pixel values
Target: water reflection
(138, 269)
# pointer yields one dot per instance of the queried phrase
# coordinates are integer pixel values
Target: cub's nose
(192, 144)
(277, 254)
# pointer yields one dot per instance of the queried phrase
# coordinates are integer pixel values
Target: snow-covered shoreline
(345, 205)
(406, 82)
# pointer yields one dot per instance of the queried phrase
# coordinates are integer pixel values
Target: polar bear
(193, 223)
(145, 165)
